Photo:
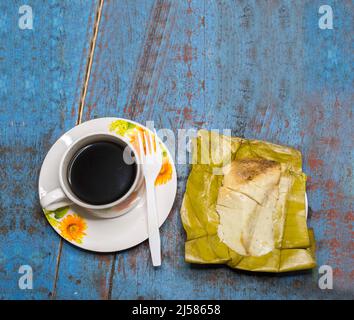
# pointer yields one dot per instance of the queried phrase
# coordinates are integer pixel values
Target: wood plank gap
(54, 291)
(111, 276)
(90, 60)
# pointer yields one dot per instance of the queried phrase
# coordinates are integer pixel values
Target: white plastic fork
(151, 161)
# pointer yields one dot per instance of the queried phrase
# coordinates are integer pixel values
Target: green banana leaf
(294, 242)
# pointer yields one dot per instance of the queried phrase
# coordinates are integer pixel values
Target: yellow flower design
(72, 228)
(121, 127)
(165, 173)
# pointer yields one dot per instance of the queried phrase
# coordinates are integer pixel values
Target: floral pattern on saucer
(131, 131)
(69, 225)
(79, 227)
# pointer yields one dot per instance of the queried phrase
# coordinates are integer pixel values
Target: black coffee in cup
(98, 173)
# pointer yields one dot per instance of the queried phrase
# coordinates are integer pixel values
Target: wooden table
(261, 68)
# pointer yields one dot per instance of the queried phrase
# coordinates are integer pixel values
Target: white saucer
(81, 228)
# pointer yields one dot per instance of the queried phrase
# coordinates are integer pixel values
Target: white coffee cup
(64, 196)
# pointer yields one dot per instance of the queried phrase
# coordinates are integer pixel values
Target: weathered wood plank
(261, 68)
(40, 82)
(248, 66)
(308, 104)
(326, 132)
(85, 275)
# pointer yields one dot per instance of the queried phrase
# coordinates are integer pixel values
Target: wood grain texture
(243, 65)
(122, 30)
(260, 68)
(40, 84)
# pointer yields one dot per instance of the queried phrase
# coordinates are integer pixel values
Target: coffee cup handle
(54, 200)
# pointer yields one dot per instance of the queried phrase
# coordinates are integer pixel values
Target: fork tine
(157, 145)
(152, 142)
(147, 147)
(141, 147)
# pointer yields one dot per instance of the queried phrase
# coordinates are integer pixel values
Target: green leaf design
(61, 212)
(131, 125)
(53, 222)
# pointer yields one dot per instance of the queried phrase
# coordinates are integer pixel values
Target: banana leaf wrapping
(294, 243)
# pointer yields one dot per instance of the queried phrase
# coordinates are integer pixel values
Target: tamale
(250, 214)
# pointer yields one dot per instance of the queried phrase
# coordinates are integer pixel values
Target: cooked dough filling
(247, 206)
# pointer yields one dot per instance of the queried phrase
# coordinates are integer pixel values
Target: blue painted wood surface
(41, 78)
(263, 69)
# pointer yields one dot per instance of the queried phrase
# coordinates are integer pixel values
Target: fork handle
(153, 224)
